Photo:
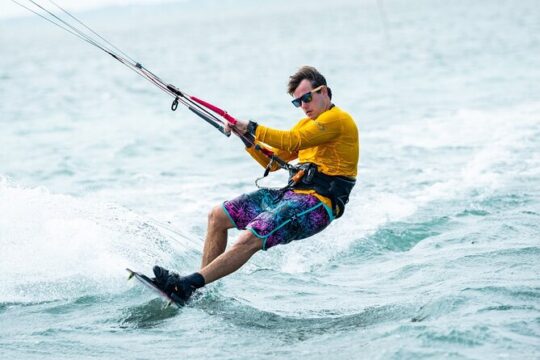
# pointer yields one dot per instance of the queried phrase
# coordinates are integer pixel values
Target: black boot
(179, 288)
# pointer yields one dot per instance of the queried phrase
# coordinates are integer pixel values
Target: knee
(218, 219)
(249, 242)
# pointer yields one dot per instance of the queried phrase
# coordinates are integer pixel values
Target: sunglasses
(307, 97)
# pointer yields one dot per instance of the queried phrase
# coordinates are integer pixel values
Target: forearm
(307, 136)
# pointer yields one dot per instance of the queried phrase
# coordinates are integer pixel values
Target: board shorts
(276, 217)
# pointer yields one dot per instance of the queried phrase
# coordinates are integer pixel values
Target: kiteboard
(145, 280)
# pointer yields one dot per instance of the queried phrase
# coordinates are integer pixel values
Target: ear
(324, 90)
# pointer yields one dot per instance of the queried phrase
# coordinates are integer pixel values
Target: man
(327, 148)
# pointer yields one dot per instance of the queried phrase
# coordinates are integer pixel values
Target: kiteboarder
(326, 145)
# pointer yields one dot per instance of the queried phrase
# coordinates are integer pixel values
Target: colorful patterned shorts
(278, 219)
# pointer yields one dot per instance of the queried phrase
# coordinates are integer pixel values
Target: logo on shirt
(319, 125)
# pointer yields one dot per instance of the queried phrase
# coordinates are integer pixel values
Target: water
(437, 255)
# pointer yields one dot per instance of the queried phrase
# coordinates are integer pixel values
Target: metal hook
(174, 105)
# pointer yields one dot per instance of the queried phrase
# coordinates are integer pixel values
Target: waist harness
(306, 176)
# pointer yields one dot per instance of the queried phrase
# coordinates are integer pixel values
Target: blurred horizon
(10, 10)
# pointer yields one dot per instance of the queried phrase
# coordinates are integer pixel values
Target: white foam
(494, 139)
(73, 245)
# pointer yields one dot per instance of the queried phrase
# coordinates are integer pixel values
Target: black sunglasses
(307, 97)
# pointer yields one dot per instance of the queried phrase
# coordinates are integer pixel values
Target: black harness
(306, 176)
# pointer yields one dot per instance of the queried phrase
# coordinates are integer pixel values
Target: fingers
(241, 126)
(227, 128)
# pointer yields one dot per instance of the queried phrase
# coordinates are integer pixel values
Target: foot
(174, 285)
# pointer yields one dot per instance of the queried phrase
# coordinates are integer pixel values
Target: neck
(329, 105)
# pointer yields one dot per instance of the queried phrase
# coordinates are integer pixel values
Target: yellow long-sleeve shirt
(330, 141)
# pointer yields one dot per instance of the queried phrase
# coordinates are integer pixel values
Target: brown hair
(309, 73)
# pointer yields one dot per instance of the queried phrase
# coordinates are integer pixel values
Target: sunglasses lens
(307, 97)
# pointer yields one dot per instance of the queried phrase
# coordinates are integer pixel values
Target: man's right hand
(241, 126)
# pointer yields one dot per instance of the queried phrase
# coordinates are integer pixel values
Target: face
(319, 103)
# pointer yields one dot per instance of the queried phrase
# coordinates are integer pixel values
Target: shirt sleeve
(307, 133)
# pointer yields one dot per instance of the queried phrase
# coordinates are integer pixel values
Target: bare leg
(231, 260)
(216, 235)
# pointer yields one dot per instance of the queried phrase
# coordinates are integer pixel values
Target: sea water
(437, 255)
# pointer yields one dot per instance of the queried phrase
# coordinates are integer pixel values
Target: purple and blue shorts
(278, 218)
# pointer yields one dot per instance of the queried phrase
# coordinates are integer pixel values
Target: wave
(58, 246)
(246, 316)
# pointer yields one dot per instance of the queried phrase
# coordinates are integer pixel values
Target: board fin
(131, 274)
